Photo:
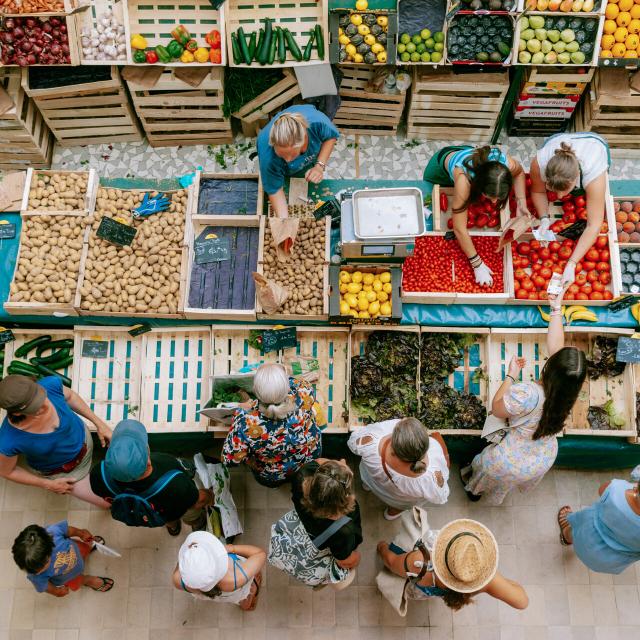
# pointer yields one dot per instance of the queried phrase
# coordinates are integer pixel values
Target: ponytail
(563, 169)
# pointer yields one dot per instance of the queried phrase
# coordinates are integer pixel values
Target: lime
(405, 38)
(401, 47)
(430, 43)
(436, 56)
(425, 34)
(438, 46)
(405, 57)
(438, 36)
(421, 48)
(416, 39)
(425, 57)
(411, 47)
(415, 57)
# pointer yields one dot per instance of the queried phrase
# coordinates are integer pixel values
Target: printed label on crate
(116, 232)
(95, 348)
(7, 230)
(555, 88)
(623, 302)
(628, 348)
(139, 329)
(548, 102)
(208, 247)
(276, 339)
(6, 335)
(523, 112)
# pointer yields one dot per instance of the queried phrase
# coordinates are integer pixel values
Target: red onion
(56, 49)
(55, 22)
(9, 23)
(63, 28)
(55, 33)
(22, 61)
(31, 59)
(46, 27)
(65, 49)
(26, 46)
(36, 49)
(30, 23)
(6, 37)
(18, 33)
(63, 38)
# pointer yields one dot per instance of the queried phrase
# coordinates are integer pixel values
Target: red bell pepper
(213, 39)
(444, 202)
(151, 56)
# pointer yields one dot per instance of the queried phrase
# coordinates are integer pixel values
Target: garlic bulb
(106, 40)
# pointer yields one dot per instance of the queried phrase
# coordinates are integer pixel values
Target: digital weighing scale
(381, 223)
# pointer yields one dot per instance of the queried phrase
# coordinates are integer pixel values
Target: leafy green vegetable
(440, 354)
(225, 394)
(605, 417)
(602, 360)
(442, 407)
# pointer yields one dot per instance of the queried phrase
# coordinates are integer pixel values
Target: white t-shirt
(404, 492)
(590, 149)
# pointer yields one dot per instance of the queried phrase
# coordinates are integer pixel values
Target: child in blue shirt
(54, 561)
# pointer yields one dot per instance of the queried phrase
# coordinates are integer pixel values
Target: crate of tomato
(483, 215)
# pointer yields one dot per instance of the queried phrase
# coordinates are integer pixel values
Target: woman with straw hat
(462, 562)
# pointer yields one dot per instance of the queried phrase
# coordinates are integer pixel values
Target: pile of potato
(143, 277)
(58, 191)
(49, 262)
(302, 273)
(298, 210)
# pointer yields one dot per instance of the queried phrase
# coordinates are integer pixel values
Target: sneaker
(343, 584)
(390, 516)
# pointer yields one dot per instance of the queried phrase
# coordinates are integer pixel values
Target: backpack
(134, 509)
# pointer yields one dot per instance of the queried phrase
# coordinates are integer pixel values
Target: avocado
(495, 57)
(363, 48)
(369, 19)
(482, 56)
(357, 40)
(504, 49)
(370, 57)
(351, 30)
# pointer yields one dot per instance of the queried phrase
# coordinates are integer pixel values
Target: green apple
(568, 35)
(577, 57)
(564, 58)
(536, 22)
(537, 58)
(527, 34)
(546, 46)
(573, 46)
(551, 58)
(425, 34)
(553, 35)
(533, 45)
(560, 46)
(541, 34)
(524, 57)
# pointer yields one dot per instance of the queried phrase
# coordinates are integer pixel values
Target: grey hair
(271, 387)
(410, 442)
(288, 130)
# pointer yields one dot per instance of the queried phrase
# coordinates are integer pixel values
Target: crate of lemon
(365, 294)
(363, 37)
(620, 43)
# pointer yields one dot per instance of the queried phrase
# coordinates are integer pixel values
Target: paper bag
(283, 234)
(144, 77)
(194, 76)
(513, 230)
(271, 295)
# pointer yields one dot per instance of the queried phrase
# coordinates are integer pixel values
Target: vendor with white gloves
(565, 162)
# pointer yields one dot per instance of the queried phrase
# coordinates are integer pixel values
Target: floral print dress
(275, 449)
(517, 461)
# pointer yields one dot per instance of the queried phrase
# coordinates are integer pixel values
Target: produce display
(534, 266)
(479, 38)
(181, 48)
(627, 213)
(271, 42)
(483, 214)
(605, 417)
(365, 295)
(106, 39)
(621, 31)
(440, 265)
(487, 5)
(51, 358)
(31, 6)
(630, 269)
(602, 362)
(302, 275)
(143, 277)
(556, 39)
(49, 260)
(564, 6)
(363, 37)
(422, 47)
(33, 40)
(58, 192)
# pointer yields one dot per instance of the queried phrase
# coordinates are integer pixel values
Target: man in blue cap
(129, 466)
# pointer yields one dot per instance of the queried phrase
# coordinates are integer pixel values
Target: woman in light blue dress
(606, 535)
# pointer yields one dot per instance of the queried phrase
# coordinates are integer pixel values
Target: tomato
(516, 285)
(450, 223)
(520, 274)
(534, 295)
(581, 278)
(536, 267)
(554, 257)
(574, 288)
(527, 284)
(581, 296)
(548, 264)
(521, 294)
(470, 223)
(605, 277)
(605, 255)
(568, 206)
(534, 257)
(444, 201)
(565, 252)
(589, 266)
(598, 286)
(569, 217)
(535, 244)
(601, 242)
(544, 253)
(482, 220)
(607, 295)
(556, 227)
(604, 228)
(566, 198)
(524, 249)
(554, 246)
(494, 221)
(552, 196)
(586, 288)
(569, 296)
(557, 269)
(596, 295)
(539, 282)
(593, 255)
(579, 267)
(603, 266)
(581, 214)
(568, 243)
(545, 272)
(580, 201)
(592, 276)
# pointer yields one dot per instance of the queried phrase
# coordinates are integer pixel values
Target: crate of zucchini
(279, 33)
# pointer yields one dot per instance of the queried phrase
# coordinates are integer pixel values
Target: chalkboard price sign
(95, 349)
(6, 335)
(116, 232)
(628, 349)
(139, 329)
(276, 339)
(7, 230)
(574, 231)
(208, 247)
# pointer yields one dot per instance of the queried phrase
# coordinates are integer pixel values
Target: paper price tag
(555, 285)
(544, 236)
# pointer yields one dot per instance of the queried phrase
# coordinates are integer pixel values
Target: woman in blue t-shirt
(297, 142)
(43, 426)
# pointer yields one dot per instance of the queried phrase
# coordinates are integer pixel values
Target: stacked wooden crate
(448, 106)
(94, 112)
(612, 109)
(25, 139)
(363, 111)
(175, 113)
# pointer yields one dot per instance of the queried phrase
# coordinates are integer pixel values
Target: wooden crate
(154, 20)
(111, 385)
(88, 113)
(175, 368)
(441, 218)
(447, 106)
(550, 80)
(531, 345)
(365, 112)
(197, 223)
(69, 6)
(25, 138)
(200, 177)
(89, 197)
(23, 335)
(88, 20)
(173, 113)
(299, 16)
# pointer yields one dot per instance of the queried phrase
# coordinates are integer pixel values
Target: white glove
(484, 275)
(569, 274)
(544, 225)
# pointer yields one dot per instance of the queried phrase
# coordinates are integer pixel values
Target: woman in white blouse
(402, 464)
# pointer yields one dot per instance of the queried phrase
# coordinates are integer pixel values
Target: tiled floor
(567, 602)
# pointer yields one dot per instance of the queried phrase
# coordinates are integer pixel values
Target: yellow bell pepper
(201, 54)
(138, 41)
(187, 56)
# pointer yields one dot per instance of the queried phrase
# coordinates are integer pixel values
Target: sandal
(99, 540)
(472, 496)
(563, 523)
(107, 585)
(254, 603)
(175, 531)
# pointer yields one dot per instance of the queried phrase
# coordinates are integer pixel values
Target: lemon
(370, 39)
(351, 300)
(343, 288)
(345, 276)
(350, 49)
(343, 39)
(364, 314)
(363, 304)
(382, 21)
(354, 287)
(345, 309)
(368, 278)
(385, 277)
(371, 296)
(374, 308)
(377, 285)
(367, 287)
(356, 19)
(382, 296)
(363, 29)
(385, 309)
(377, 48)
(358, 57)
(362, 5)
(354, 313)
(356, 276)
(387, 288)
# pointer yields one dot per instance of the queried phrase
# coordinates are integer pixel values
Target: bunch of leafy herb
(440, 354)
(442, 407)
(243, 85)
(223, 394)
(602, 360)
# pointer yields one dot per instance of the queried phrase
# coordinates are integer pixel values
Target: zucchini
(263, 55)
(307, 50)
(260, 43)
(22, 351)
(282, 51)
(252, 45)
(235, 47)
(292, 45)
(244, 49)
(46, 371)
(272, 51)
(319, 42)
(61, 364)
(61, 354)
(19, 368)
(67, 343)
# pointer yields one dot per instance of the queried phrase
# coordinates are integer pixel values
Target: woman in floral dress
(276, 434)
(536, 412)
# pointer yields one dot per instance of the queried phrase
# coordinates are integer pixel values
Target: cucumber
(50, 361)
(252, 45)
(292, 45)
(67, 343)
(235, 47)
(263, 54)
(22, 351)
(260, 43)
(319, 42)
(19, 368)
(272, 51)
(282, 51)
(61, 364)
(46, 371)
(307, 50)
(244, 49)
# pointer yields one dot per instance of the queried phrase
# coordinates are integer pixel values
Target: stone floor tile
(441, 633)
(575, 571)
(323, 607)
(67, 634)
(439, 614)
(465, 633)
(43, 634)
(139, 607)
(161, 607)
(535, 633)
(580, 605)
(605, 611)
(628, 576)
(556, 605)
(559, 633)
(22, 613)
(488, 633)
(415, 633)
(346, 607)
(300, 608)
(582, 633)
(369, 606)
(628, 604)
(607, 633)
(508, 632)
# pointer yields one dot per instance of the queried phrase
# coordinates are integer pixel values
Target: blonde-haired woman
(569, 161)
(297, 142)
(276, 434)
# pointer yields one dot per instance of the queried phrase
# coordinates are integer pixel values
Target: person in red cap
(44, 425)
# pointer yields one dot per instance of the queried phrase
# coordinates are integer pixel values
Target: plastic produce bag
(271, 295)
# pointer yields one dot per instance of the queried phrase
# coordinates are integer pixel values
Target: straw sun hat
(465, 556)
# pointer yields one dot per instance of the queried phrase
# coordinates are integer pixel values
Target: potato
(58, 191)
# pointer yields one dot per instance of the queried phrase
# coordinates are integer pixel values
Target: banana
(543, 314)
(574, 308)
(587, 316)
(635, 312)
